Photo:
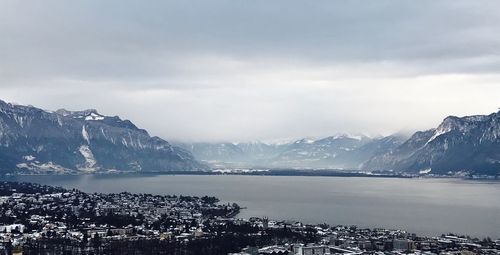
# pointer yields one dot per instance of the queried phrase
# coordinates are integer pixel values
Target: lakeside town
(39, 219)
(275, 172)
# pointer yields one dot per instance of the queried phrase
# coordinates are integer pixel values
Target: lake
(423, 206)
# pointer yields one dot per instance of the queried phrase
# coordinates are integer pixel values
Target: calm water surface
(423, 206)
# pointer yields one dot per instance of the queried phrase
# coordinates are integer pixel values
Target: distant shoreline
(274, 172)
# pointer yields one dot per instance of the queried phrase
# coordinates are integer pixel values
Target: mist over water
(423, 206)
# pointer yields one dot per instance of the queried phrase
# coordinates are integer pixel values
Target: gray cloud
(238, 70)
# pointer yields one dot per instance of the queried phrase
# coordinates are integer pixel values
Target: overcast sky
(241, 70)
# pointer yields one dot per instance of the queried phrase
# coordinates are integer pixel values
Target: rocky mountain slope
(468, 145)
(33, 140)
(463, 146)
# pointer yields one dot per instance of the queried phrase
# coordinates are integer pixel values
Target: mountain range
(459, 145)
(33, 140)
(334, 152)
(469, 144)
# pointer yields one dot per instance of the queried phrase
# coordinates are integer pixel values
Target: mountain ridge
(33, 140)
(459, 145)
(469, 144)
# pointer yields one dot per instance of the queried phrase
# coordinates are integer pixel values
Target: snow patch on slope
(94, 116)
(306, 141)
(29, 158)
(46, 167)
(87, 154)
(438, 132)
(425, 171)
(348, 135)
(85, 134)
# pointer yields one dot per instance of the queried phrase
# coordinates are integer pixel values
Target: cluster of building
(29, 212)
(356, 241)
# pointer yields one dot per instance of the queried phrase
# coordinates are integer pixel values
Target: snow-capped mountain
(469, 144)
(340, 151)
(256, 150)
(320, 153)
(226, 152)
(385, 160)
(35, 140)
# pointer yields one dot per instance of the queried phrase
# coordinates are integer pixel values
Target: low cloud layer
(243, 70)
